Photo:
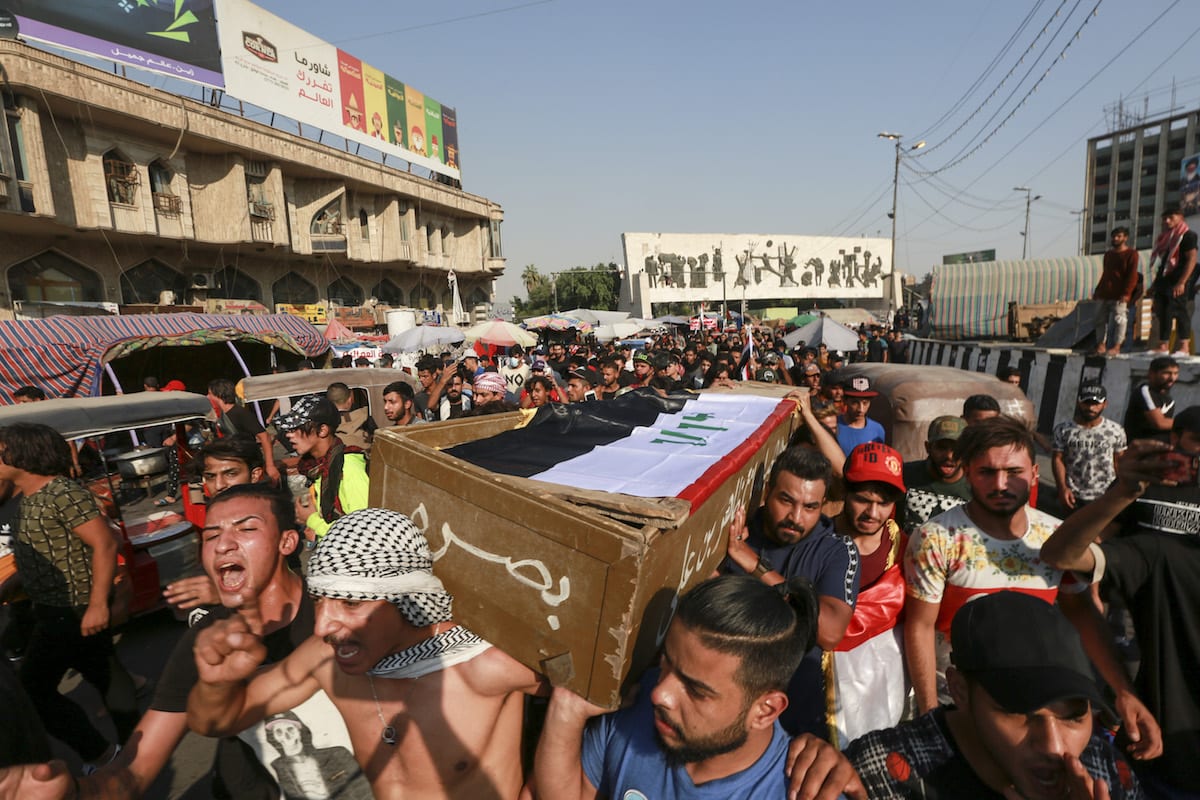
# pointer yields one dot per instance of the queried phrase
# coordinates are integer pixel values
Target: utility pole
(1080, 213)
(1029, 198)
(895, 137)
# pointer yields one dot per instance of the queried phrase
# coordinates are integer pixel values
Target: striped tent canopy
(970, 301)
(65, 356)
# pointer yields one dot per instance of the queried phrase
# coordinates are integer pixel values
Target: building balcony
(169, 204)
(261, 209)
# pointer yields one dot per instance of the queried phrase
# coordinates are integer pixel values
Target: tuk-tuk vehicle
(158, 547)
(367, 385)
(911, 396)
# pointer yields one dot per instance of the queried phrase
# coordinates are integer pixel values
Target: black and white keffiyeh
(377, 554)
(435, 653)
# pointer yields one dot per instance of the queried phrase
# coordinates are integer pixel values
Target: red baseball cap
(874, 461)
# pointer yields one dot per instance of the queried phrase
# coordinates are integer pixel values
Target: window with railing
(256, 197)
(165, 200)
(120, 178)
(328, 221)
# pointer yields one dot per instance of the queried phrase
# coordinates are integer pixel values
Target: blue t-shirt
(830, 563)
(624, 761)
(849, 438)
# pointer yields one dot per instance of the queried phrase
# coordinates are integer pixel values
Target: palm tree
(532, 278)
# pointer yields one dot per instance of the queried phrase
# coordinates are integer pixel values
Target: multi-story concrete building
(1133, 174)
(112, 191)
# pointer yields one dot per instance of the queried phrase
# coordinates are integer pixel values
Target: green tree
(597, 287)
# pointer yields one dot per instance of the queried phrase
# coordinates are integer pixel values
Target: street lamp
(1029, 198)
(895, 137)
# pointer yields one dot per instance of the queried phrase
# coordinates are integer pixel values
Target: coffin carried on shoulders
(567, 534)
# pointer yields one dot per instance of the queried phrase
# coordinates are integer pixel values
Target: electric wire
(963, 156)
(987, 71)
(1095, 76)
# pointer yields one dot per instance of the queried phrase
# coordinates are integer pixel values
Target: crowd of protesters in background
(942, 624)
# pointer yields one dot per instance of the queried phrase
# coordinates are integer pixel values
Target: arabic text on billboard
(174, 37)
(973, 257)
(277, 66)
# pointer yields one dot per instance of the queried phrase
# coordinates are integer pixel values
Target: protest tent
(826, 331)
(70, 356)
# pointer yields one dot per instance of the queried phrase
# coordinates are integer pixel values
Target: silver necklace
(388, 734)
(389, 731)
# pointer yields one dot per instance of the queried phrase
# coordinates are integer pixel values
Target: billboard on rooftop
(275, 65)
(173, 37)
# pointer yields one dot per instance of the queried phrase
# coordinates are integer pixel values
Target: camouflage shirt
(55, 564)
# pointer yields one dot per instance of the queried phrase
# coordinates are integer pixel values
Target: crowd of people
(877, 628)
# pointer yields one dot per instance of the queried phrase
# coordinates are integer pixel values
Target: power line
(463, 18)
(1118, 54)
(988, 71)
(1061, 56)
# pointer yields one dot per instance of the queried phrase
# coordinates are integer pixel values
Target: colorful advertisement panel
(174, 37)
(1189, 189)
(277, 66)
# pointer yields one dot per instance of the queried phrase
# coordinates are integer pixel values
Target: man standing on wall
(1115, 291)
(1174, 285)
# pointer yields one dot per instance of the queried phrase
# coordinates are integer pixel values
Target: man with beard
(399, 404)
(610, 379)
(854, 426)
(937, 483)
(337, 474)
(1086, 449)
(558, 358)
(452, 403)
(990, 544)
(1151, 407)
(1149, 525)
(643, 370)
(432, 710)
(788, 537)
(488, 394)
(706, 721)
(1022, 721)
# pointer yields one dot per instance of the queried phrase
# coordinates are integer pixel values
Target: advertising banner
(174, 37)
(277, 66)
(1189, 189)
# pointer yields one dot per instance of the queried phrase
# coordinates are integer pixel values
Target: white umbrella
(422, 337)
(824, 330)
(619, 330)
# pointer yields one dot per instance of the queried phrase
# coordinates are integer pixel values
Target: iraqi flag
(640, 443)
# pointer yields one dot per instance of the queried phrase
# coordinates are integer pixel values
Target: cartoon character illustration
(352, 115)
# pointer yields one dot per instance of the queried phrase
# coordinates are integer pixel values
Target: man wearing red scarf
(1174, 283)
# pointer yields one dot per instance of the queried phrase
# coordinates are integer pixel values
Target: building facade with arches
(114, 193)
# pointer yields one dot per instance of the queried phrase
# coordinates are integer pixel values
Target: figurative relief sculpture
(852, 269)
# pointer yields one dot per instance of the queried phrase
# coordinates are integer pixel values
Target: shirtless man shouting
(432, 709)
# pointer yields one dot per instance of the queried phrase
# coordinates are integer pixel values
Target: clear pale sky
(587, 118)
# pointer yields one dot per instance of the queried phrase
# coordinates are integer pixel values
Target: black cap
(1023, 651)
(584, 375)
(1092, 391)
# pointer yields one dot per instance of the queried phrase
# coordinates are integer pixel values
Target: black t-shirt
(1186, 245)
(240, 419)
(1146, 399)
(237, 771)
(830, 562)
(1159, 577)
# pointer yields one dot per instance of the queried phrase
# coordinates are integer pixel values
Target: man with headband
(432, 709)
